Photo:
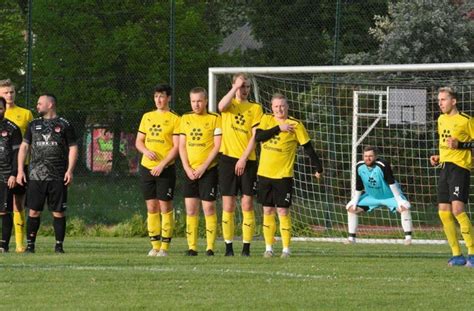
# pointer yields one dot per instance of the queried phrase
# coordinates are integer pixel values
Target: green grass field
(106, 273)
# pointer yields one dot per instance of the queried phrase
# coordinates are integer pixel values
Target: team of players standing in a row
(198, 137)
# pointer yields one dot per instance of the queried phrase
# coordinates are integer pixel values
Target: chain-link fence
(103, 58)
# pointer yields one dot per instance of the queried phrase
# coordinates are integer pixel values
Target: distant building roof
(242, 39)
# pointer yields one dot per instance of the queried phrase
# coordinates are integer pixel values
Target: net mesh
(324, 102)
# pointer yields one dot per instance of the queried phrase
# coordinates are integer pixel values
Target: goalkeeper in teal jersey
(375, 178)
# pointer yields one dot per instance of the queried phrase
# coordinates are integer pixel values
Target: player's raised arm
(224, 103)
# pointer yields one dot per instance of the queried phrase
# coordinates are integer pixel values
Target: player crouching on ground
(375, 177)
(199, 143)
(280, 136)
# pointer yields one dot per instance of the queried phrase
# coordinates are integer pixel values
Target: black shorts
(204, 188)
(230, 184)
(21, 189)
(6, 198)
(275, 192)
(158, 187)
(453, 183)
(39, 191)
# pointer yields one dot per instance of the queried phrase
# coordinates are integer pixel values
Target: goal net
(344, 108)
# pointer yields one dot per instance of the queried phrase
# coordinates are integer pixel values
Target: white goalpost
(393, 107)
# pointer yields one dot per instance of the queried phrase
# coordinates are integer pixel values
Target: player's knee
(457, 207)
(34, 213)
(247, 203)
(59, 214)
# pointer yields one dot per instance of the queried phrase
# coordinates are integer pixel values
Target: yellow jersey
(159, 128)
(20, 116)
(277, 155)
(461, 127)
(237, 123)
(200, 131)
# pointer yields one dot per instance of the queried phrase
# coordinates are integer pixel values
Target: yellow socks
(269, 229)
(167, 230)
(211, 231)
(192, 224)
(154, 230)
(449, 227)
(248, 226)
(285, 231)
(19, 224)
(228, 226)
(466, 231)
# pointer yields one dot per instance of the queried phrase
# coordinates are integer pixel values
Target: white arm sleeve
(354, 200)
(398, 197)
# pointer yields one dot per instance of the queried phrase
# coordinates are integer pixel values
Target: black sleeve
(264, 135)
(466, 145)
(16, 137)
(387, 172)
(70, 136)
(14, 162)
(16, 142)
(359, 183)
(28, 135)
(313, 156)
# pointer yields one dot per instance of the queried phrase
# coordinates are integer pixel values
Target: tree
(12, 42)
(294, 32)
(417, 31)
(105, 57)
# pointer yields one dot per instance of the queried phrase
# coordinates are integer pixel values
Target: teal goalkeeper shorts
(372, 203)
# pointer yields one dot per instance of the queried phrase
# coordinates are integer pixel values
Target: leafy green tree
(105, 57)
(417, 31)
(12, 42)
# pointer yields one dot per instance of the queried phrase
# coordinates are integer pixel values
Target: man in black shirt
(53, 157)
(10, 140)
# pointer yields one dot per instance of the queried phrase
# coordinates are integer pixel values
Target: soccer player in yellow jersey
(158, 141)
(199, 143)
(238, 161)
(280, 135)
(21, 117)
(456, 130)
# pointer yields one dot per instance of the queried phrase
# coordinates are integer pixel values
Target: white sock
(268, 248)
(407, 224)
(352, 222)
(286, 250)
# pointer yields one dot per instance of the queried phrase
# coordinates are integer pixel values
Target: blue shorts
(371, 203)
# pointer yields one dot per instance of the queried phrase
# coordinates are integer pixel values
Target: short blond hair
(279, 96)
(7, 83)
(197, 90)
(448, 90)
(240, 74)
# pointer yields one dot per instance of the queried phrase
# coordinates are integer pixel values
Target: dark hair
(163, 88)
(51, 97)
(370, 148)
(4, 102)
